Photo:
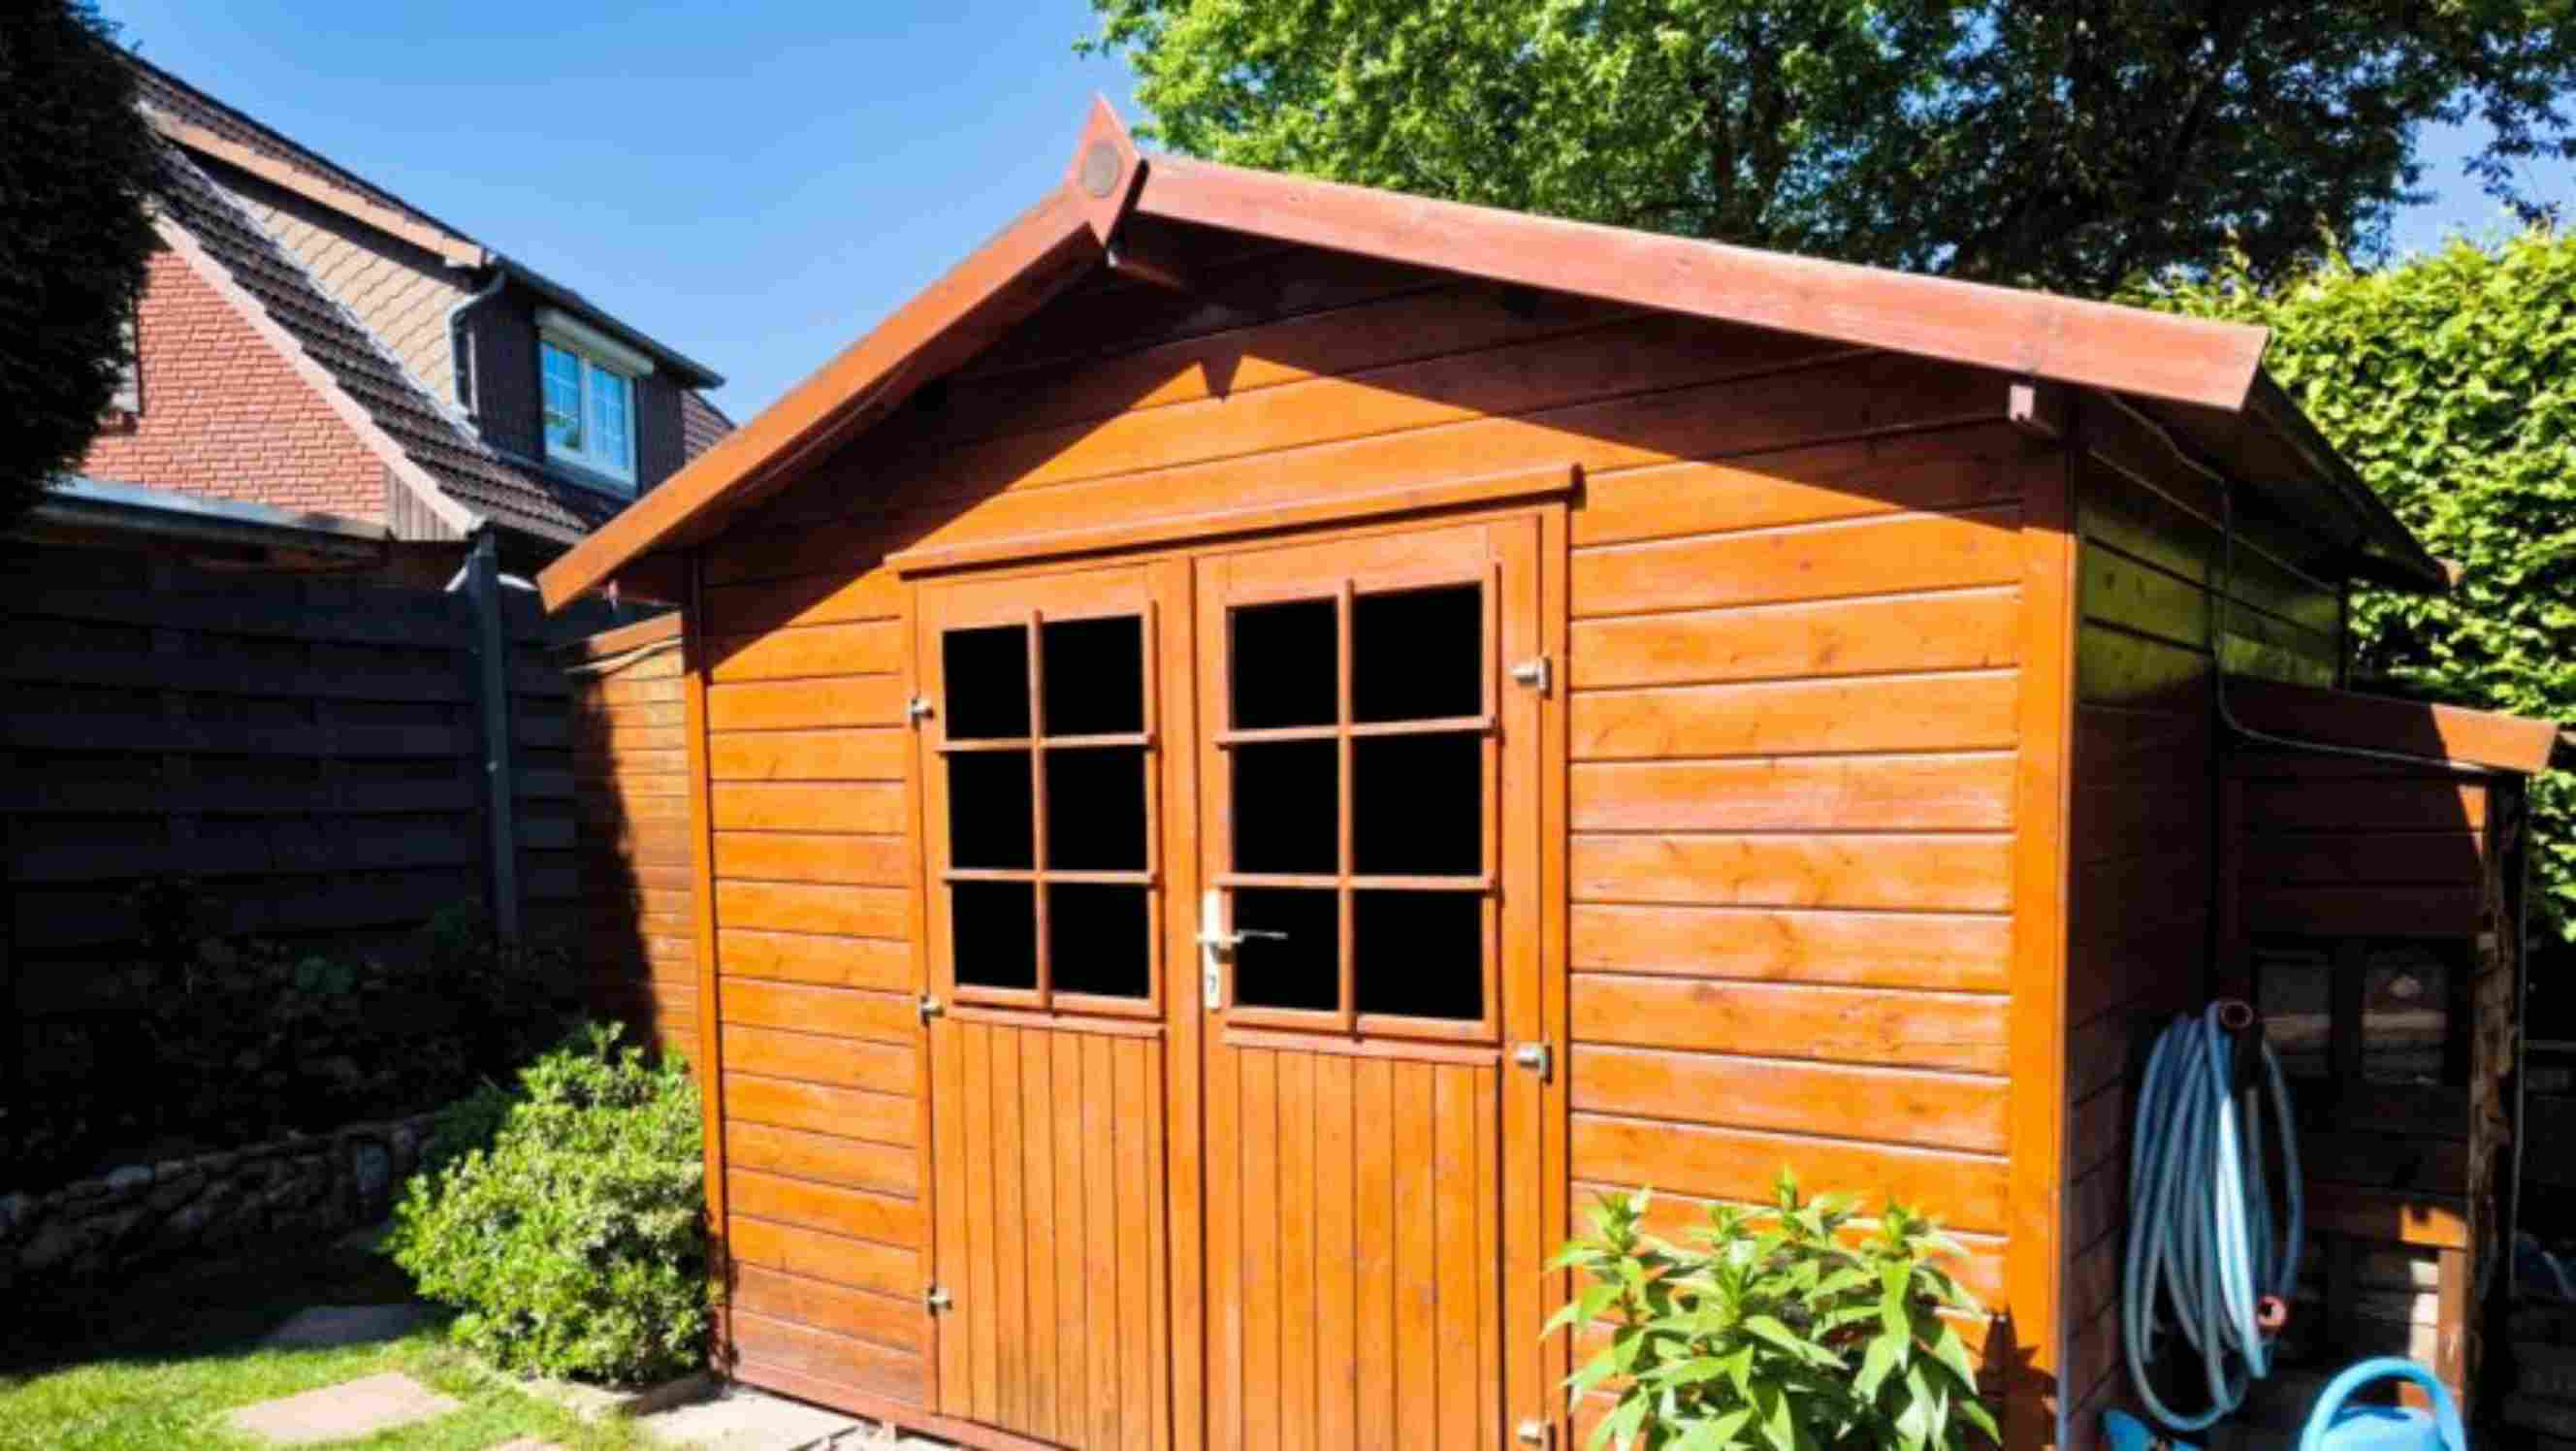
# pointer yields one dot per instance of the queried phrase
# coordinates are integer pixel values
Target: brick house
(309, 342)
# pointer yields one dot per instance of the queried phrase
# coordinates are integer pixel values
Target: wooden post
(2034, 1268)
(492, 692)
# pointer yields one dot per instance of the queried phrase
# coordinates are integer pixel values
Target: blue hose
(2200, 1216)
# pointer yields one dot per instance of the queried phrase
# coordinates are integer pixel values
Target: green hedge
(573, 1241)
(2449, 380)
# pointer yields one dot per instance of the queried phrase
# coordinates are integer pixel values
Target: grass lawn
(156, 1364)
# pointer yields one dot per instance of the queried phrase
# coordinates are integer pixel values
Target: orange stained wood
(701, 906)
(2048, 556)
(630, 767)
(2407, 727)
(1760, 881)
(2212, 367)
(1047, 1115)
(1363, 1197)
(2209, 365)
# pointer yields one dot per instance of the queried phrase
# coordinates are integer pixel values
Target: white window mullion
(596, 387)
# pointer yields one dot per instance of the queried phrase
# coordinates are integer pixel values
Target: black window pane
(994, 928)
(1300, 968)
(1287, 807)
(1419, 655)
(988, 810)
(1095, 676)
(1418, 804)
(1098, 939)
(1096, 809)
(1419, 954)
(987, 673)
(1287, 665)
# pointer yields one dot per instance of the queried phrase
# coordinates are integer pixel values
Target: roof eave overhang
(110, 506)
(2215, 367)
(688, 370)
(1001, 282)
(2383, 551)
(2385, 725)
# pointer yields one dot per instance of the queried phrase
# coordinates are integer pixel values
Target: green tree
(2449, 380)
(2067, 145)
(77, 161)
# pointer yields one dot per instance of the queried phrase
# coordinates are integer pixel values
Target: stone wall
(144, 1214)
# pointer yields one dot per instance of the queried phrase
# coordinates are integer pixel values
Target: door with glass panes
(1354, 809)
(1368, 853)
(1043, 821)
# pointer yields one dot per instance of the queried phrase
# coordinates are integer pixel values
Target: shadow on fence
(322, 762)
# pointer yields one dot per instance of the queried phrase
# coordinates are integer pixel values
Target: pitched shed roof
(437, 455)
(2200, 382)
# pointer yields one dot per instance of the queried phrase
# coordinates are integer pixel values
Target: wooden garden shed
(1259, 741)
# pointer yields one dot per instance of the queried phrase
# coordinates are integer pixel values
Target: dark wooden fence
(327, 761)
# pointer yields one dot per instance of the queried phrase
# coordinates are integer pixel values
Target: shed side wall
(2144, 831)
(630, 797)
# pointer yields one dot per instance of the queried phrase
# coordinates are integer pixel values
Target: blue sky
(754, 183)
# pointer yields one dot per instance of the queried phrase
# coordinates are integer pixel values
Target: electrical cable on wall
(2220, 595)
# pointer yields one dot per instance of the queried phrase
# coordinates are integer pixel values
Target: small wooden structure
(630, 794)
(1260, 741)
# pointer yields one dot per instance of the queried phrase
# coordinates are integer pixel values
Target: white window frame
(597, 353)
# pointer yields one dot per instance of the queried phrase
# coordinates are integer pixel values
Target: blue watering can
(2335, 1426)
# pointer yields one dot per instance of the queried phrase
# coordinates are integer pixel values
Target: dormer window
(588, 383)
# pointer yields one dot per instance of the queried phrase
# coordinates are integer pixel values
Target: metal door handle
(1228, 941)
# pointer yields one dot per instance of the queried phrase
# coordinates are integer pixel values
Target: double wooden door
(1232, 909)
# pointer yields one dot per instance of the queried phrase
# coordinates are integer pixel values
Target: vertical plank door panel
(1358, 1234)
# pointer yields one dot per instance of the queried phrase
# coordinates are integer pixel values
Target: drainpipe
(463, 373)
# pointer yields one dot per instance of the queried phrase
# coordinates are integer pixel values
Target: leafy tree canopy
(76, 163)
(2067, 145)
(2450, 382)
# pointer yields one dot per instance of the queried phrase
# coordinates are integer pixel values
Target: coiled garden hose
(2200, 1211)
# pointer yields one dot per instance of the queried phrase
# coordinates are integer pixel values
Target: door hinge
(934, 1299)
(930, 1007)
(915, 709)
(1535, 1432)
(1538, 1058)
(1536, 673)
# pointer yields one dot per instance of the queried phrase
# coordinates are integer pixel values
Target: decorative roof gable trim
(370, 434)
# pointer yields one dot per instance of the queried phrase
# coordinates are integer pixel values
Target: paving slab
(739, 1418)
(343, 1412)
(599, 1403)
(325, 1326)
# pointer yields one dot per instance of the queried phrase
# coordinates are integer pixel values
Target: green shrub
(1780, 1333)
(465, 1126)
(574, 1245)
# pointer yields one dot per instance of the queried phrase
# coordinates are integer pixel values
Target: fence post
(500, 774)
